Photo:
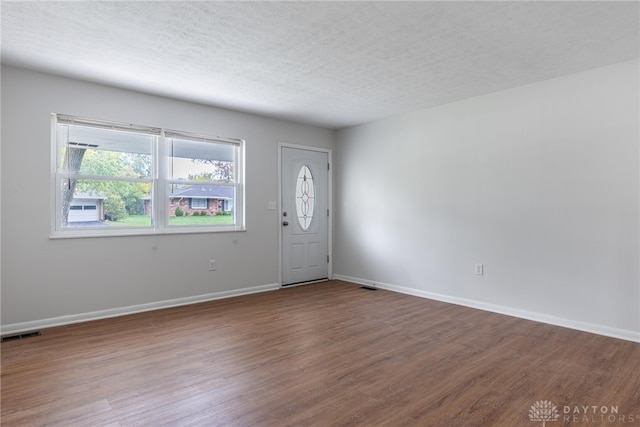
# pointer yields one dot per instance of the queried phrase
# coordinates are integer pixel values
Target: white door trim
(329, 152)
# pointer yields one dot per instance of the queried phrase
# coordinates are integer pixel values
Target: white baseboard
(15, 328)
(522, 314)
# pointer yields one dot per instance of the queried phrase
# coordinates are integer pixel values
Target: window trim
(199, 199)
(160, 180)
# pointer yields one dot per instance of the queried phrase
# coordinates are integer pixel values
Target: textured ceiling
(332, 64)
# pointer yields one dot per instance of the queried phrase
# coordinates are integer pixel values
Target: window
(199, 204)
(117, 179)
(305, 197)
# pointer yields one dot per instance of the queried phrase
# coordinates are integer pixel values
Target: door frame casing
(329, 153)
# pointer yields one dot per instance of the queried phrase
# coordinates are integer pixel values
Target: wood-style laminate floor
(327, 354)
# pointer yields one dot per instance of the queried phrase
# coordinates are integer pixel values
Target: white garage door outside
(83, 211)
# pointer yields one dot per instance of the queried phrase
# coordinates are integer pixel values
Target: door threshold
(290, 285)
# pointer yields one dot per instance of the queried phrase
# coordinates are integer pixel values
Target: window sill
(143, 232)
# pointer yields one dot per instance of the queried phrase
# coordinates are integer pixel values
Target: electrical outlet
(212, 265)
(479, 269)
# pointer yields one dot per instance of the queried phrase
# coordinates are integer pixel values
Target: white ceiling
(333, 64)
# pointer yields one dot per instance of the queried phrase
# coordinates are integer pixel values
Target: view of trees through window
(111, 177)
(122, 198)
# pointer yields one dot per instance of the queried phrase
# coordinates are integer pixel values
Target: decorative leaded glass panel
(305, 197)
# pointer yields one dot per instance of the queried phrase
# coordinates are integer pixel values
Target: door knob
(285, 223)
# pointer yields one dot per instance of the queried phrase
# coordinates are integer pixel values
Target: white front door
(304, 215)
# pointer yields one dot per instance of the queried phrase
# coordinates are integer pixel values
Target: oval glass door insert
(305, 197)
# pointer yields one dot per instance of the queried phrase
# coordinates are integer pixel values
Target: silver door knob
(285, 223)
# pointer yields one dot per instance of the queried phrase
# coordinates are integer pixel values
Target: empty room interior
(320, 213)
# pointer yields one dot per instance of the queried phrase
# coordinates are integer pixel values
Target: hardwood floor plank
(327, 354)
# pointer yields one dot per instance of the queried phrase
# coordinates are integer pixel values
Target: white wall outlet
(212, 265)
(272, 205)
(479, 269)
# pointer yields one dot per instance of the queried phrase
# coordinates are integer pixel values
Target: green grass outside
(145, 220)
(200, 220)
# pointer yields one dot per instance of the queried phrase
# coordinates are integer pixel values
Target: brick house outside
(195, 199)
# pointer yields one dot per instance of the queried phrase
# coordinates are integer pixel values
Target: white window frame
(160, 180)
(199, 199)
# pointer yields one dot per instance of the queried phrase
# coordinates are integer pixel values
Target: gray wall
(46, 279)
(539, 183)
